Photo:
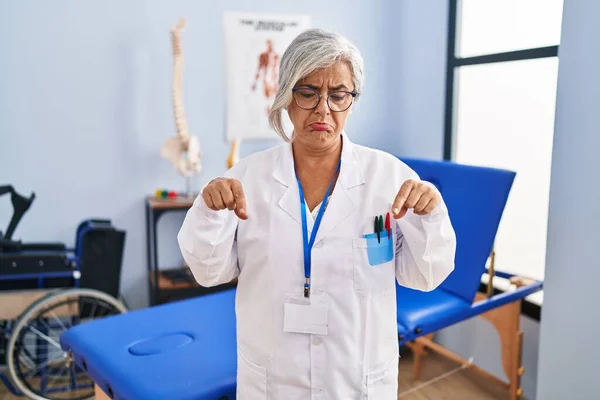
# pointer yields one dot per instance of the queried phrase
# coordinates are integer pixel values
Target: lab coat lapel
(284, 174)
(344, 200)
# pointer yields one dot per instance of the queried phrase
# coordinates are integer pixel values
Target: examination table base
(506, 321)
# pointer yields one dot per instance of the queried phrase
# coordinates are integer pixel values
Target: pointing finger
(399, 207)
(240, 200)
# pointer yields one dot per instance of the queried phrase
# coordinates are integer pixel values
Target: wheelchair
(65, 287)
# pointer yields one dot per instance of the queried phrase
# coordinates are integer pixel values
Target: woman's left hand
(421, 196)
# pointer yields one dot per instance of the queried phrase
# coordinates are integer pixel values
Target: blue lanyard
(309, 244)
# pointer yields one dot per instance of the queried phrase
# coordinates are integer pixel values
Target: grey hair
(311, 50)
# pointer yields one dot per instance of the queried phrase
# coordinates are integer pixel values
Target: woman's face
(320, 124)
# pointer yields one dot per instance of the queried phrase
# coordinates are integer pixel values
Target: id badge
(300, 316)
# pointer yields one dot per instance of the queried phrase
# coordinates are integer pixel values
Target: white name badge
(302, 317)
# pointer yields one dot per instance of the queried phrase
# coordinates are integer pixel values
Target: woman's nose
(322, 107)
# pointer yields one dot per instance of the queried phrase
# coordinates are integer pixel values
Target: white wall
(568, 363)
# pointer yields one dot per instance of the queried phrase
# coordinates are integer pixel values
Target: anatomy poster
(254, 46)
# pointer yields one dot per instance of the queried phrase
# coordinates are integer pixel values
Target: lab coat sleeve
(207, 240)
(425, 248)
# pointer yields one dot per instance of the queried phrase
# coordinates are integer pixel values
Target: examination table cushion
(181, 350)
(425, 312)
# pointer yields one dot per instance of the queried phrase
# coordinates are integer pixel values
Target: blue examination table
(192, 351)
(476, 198)
(188, 346)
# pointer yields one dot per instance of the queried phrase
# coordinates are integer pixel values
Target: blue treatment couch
(177, 351)
(476, 198)
(191, 354)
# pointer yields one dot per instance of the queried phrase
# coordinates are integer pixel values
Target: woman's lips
(320, 127)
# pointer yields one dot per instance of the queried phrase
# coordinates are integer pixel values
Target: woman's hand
(222, 193)
(421, 196)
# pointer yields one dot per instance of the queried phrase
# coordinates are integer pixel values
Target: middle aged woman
(317, 231)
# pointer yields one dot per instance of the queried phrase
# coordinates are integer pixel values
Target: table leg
(148, 256)
(155, 216)
(99, 394)
(151, 253)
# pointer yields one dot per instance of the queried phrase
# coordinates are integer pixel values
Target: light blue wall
(417, 74)
(568, 364)
(85, 104)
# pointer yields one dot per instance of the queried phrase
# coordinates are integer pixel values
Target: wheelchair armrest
(44, 246)
(18, 246)
(9, 245)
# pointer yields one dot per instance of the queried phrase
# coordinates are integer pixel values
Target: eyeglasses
(308, 99)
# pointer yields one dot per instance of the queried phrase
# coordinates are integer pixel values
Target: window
(500, 102)
(498, 26)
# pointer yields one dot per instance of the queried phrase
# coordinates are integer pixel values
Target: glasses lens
(306, 98)
(339, 101)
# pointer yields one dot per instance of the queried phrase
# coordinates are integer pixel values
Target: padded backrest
(475, 197)
(100, 247)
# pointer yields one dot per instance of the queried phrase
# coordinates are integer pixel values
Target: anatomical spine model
(182, 150)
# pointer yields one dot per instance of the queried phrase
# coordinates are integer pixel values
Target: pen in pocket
(388, 226)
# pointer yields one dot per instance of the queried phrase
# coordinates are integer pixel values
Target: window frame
(453, 63)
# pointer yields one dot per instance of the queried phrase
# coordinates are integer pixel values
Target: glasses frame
(353, 94)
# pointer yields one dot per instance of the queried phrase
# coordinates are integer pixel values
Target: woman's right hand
(224, 193)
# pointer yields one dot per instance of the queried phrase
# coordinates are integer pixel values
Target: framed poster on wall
(254, 44)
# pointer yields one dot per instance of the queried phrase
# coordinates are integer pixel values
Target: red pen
(388, 227)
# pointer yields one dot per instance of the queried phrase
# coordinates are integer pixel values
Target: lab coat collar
(342, 201)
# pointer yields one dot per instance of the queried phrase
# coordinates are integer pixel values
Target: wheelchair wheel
(36, 362)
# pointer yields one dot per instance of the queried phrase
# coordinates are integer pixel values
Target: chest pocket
(374, 266)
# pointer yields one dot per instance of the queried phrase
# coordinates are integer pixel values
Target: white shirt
(358, 357)
(315, 210)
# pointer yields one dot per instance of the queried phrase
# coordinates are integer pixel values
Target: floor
(442, 379)
(458, 384)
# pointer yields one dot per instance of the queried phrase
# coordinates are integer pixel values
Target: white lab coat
(358, 358)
